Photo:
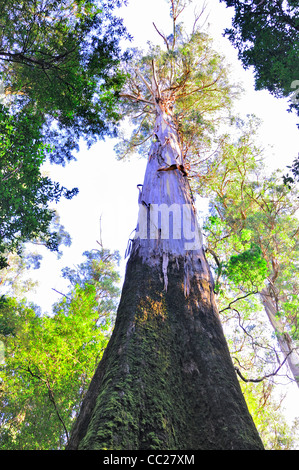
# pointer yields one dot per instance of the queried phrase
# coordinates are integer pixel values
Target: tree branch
(197, 17)
(155, 79)
(61, 293)
(265, 376)
(52, 399)
(145, 82)
(217, 262)
(236, 300)
(136, 98)
(7, 177)
(162, 36)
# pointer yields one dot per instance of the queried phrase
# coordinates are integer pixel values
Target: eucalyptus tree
(253, 238)
(166, 379)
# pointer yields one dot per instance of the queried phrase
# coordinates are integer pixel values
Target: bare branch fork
(265, 376)
(197, 16)
(144, 81)
(162, 36)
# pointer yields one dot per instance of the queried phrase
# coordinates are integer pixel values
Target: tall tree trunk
(166, 380)
(287, 347)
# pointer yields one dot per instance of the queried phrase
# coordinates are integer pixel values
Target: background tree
(15, 278)
(59, 81)
(252, 236)
(261, 30)
(266, 408)
(252, 246)
(60, 58)
(50, 360)
(25, 193)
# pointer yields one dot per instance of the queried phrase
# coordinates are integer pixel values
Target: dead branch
(162, 36)
(265, 376)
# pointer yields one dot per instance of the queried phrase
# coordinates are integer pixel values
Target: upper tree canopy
(59, 81)
(61, 58)
(187, 78)
(266, 36)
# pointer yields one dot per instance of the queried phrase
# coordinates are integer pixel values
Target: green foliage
(248, 270)
(62, 58)
(266, 35)
(267, 413)
(192, 78)
(50, 360)
(24, 193)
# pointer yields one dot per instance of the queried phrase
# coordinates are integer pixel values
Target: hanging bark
(166, 380)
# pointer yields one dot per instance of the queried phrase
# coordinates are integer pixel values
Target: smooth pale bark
(167, 189)
(285, 342)
(166, 380)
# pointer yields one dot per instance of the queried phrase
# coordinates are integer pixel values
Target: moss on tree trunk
(166, 380)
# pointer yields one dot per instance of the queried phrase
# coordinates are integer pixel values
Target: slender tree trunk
(285, 342)
(166, 380)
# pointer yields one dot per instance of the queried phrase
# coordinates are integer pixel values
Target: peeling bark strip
(167, 222)
(166, 380)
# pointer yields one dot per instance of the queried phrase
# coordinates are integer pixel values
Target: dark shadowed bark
(166, 380)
